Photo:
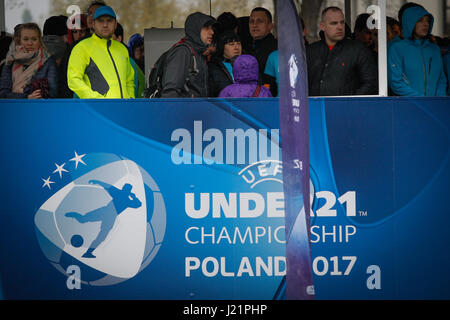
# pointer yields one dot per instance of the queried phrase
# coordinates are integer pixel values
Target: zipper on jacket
(424, 73)
(429, 67)
(108, 44)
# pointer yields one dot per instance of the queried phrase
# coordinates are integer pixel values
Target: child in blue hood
(415, 65)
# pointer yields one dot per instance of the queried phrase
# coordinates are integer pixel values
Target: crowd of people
(86, 57)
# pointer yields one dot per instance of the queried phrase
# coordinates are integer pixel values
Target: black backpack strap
(155, 78)
(194, 68)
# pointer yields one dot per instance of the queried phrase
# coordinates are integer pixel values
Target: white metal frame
(380, 14)
(382, 51)
(2, 16)
(382, 44)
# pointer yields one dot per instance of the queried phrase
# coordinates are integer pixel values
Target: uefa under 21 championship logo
(105, 214)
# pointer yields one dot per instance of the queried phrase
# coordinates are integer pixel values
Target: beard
(105, 34)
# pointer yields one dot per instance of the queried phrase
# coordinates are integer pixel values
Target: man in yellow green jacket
(99, 67)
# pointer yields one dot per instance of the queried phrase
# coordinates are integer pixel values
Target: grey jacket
(183, 75)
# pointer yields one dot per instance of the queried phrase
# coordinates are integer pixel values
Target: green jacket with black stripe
(100, 68)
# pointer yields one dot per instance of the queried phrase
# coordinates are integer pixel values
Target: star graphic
(78, 159)
(60, 169)
(47, 182)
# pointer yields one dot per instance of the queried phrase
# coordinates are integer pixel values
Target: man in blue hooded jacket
(415, 65)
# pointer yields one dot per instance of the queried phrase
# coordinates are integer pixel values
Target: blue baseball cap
(104, 11)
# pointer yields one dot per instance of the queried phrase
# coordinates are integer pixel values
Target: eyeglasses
(75, 31)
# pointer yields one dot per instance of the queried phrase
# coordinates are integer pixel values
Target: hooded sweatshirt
(245, 73)
(179, 80)
(415, 66)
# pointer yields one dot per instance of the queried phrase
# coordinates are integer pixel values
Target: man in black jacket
(264, 43)
(186, 70)
(339, 66)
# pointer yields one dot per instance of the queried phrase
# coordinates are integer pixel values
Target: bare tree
(297, 3)
(12, 4)
(310, 12)
(134, 16)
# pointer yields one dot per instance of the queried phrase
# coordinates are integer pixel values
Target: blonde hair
(30, 26)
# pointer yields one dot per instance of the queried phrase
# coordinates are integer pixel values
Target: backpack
(155, 88)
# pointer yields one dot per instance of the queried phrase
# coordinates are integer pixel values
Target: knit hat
(56, 25)
(135, 40)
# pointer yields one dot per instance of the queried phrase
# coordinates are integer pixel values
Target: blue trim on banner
(231, 108)
(151, 143)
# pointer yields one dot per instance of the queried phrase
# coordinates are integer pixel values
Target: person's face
(389, 33)
(77, 34)
(210, 51)
(333, 26)
(119, 38)
(422, 27)
(364, 36)
(105, 26)
(374, 38)
(29, 39)
(259, 25)
(232, 49)
(305, 32)
(139, 52)
(206, 34)
(90, 16)
(396, 30)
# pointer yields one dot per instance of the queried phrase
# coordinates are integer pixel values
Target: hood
(245, 69)
(410, 17)
(193, 26)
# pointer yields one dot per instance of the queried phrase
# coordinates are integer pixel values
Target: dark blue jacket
(47, 71)
(415, 66)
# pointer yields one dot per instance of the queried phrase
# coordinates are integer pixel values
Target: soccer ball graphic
(109, 220)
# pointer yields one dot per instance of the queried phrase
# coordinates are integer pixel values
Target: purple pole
(293, 90)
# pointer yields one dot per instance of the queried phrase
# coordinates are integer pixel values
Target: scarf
(25, 65)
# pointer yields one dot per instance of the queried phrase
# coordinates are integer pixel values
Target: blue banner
(293, 91)
(183, 199)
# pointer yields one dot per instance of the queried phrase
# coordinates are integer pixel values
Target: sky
(39, 9)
